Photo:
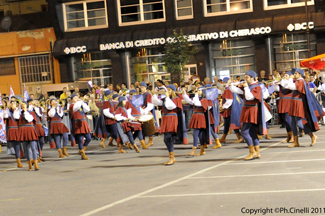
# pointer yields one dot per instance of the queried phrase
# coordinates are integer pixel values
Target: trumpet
(42, 104)
(17, 101)
(62, 103)
(2, 107)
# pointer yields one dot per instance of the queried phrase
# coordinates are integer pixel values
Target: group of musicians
(242, 107)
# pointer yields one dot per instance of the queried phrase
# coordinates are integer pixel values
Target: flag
(11, 93)
(3, 137)
(137, 100)
(212, 94)
(26, 95)
(271, 89)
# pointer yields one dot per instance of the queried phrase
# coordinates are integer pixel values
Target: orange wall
(15, 44)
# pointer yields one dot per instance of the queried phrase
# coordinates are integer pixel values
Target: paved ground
(219, 183)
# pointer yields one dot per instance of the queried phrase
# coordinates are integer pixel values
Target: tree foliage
(177, 53)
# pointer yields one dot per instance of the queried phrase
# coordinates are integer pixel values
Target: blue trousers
(138, 134)
(16, 146)
(286, 119)
(31, 146)
(57, 139)
(112, 130)
(80, 139)
(296, 122)
(41, 142)
(226, 126)
(249, 133)
(214, 135)
(130, 136)
(168, 139)
(198, 134)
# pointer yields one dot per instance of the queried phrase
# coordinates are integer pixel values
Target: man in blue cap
(305, 110)
(252, 115)
(284, 106)
(148, 107)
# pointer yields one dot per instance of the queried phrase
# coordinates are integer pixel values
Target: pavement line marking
(285, 161)
(256, 175)
(6, 200)
(164, 185)
(316, 150)
(234, 193)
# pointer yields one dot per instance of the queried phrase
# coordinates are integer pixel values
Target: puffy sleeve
(5, 114)
(235, 89)
(51, 112)
(85, 107)
(28, 117)
(16, 114)
(107, 113)
(156, 101)
(77, 106)
(169, 104)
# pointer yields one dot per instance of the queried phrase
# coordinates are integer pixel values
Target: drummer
(136, 112)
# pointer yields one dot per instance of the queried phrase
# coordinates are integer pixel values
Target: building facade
(115, 41)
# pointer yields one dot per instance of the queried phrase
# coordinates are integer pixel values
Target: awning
(316, 62)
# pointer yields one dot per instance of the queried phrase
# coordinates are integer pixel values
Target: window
(7, 66)
(221, 7)
(34, 69)
(85, 15)
(184, 9)
(140, 11)
(232, 58)
(277, 4)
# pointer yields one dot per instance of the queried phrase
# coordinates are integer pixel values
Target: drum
(148, 125)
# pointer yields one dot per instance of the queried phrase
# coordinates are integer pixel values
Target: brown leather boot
(0, 148)
(102, 143)
(295, 142)
(60, 154)
(218, 144)
(110, 143)
(257, 150)
(35, 165)
(313, 138)
(39, 160)
(202, 151)
(193, 151)
(83, 155)
(129, 146)
(240, 139)
(230, 132)
(143, 144)
(252, 154)
(137, 150)
(150, 142)
(171, 159)
(19, 165)
(267, 136)
(289, 137)
(84, 148)
(259, 137)
(30, 166)
(120, 150)
(223, 138)
(65, 151)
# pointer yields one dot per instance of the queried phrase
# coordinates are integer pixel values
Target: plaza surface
(218, 183)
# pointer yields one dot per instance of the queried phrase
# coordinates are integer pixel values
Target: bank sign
(190, 38)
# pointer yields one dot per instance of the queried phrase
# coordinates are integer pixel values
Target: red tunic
(297, 106)
(249, 113)
(38, 124)
(135, 126)
(227, 95)
(198, 118)
(26, 129)
(56, 124)
(169, 119)
(135, 113)
(79, 122)
(285, 100)
(13, 132)
(109, 105)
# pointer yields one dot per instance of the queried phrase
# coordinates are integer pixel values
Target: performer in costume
(232, 106)
(170, 106)
(12, 116)
(57, 129)
(37, 114)
(80, 128)
(284, 106)
(136, 111)
(28, 135)
(252, 115)
(305, 110)
(199, 121)
(129, 123)
(148, 107)
(214, 116)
